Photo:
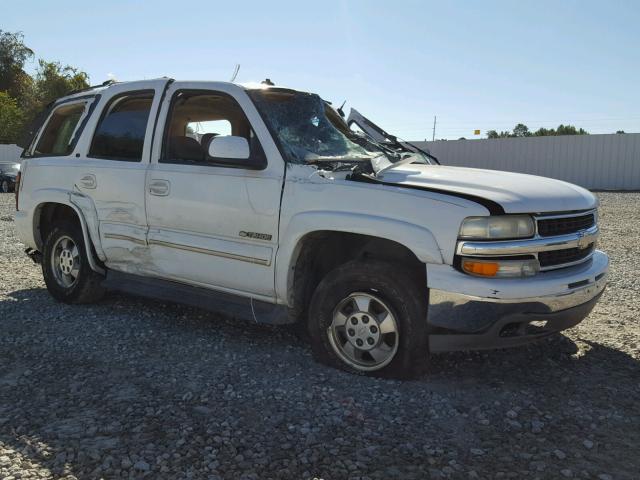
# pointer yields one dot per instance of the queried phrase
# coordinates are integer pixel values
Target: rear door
(213, 222)
(110, 169)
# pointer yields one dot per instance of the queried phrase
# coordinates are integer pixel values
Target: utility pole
(434, 129)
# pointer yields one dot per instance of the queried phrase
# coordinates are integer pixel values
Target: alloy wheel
(65, 262)
(364, 332)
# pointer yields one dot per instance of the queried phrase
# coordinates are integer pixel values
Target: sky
(475, 65)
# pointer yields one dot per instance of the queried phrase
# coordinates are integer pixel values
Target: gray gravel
(131, 388)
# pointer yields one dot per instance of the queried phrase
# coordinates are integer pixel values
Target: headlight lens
(497, 227)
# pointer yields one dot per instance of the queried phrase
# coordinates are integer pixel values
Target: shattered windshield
(308, 129)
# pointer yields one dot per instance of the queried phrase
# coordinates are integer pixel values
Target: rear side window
(122, 127)
(58, 136)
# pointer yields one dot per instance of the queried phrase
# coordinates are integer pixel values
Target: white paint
(516, 193)
(239, 230)
(229, 146)
(209, 206)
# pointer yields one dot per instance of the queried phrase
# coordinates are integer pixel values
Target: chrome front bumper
(470, 313)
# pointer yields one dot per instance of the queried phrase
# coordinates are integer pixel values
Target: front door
(213, 221)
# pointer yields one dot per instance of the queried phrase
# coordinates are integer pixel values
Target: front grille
(560, 257)
(562, 226)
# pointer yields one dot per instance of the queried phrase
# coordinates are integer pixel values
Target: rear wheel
(5, 187)
(370, 318)
(65, 267)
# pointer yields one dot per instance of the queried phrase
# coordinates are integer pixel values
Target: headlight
(497, 227)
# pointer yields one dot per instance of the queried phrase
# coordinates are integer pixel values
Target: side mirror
(229, 147)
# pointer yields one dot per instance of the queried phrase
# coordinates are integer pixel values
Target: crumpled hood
(514, 192)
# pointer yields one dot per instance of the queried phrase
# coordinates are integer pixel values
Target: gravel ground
(131, 388)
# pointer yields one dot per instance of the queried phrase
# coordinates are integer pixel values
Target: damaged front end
(468, 313)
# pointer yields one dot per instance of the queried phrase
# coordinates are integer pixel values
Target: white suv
(266, 203)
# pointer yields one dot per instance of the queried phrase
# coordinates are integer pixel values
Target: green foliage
(495, 134)
(11, 119)
(570, 130)
(544, 132)
(54, 80)
(521, 130)
(13, 55)
(23, 96)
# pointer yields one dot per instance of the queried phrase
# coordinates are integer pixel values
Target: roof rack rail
(107, 83)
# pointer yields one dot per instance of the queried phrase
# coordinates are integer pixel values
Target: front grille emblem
(583, 242)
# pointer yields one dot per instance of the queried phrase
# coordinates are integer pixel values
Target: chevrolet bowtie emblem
(582, 241)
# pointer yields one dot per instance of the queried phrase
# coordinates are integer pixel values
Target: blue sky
(476, 65)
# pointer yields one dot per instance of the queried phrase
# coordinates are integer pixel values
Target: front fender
(416, 238)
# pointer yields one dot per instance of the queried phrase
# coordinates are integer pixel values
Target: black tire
(403, 296)
(5, 187)
(86, 287)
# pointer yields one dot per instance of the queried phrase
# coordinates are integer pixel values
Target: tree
(570, 130)
(620, 132)
(495, 134)
(544, 132)
(521, 130)
(23, 96)
(11, 119)
(13, 55)
(54, 81)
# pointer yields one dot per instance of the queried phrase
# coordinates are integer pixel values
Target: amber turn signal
(486, 269)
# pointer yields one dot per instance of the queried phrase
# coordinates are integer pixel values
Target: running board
(215, 301)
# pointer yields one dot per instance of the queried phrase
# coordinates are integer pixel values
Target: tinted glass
(197, 117)
(57, 136)
(122, 128)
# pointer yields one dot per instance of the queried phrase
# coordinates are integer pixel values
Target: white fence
(10, 153)
(599, 162)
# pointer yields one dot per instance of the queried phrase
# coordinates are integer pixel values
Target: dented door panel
(116, 187)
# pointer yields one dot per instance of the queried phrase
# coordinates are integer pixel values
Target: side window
(122, 127)
(57, 137)
(196, 118)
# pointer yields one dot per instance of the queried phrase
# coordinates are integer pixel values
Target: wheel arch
(311, 251)
(58, 205)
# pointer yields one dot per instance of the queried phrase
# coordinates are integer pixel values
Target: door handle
(160, 188)
(88, 180)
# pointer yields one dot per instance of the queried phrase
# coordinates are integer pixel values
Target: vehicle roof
(96, 89)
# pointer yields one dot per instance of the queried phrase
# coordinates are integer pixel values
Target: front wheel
(370, 318)
(5, 186)
(65, 267)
